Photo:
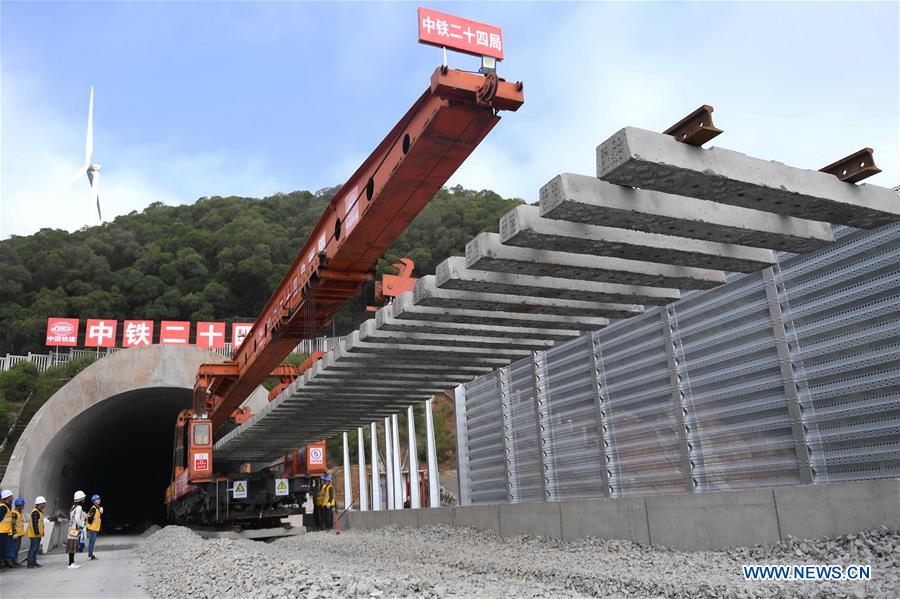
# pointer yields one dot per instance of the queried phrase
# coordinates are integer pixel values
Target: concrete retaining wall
(702, 521)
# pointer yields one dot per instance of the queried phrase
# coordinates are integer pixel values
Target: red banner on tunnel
(174, 332)
(137, 333)
(211, 335)
(100, 332)
(62, 332)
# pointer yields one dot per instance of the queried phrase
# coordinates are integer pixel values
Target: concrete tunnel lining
(109, 430)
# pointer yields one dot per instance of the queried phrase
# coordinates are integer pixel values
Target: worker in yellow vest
(92, 524)
(6, 528)
(18, 526)
(327, 503)
(317, 506)
(35, 530)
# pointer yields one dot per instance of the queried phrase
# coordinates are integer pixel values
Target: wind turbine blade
(75, 177)
(95, 192)
(89, 144)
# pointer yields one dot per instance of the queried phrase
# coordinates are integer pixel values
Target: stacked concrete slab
(661, 217)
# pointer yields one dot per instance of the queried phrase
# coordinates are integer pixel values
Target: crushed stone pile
(453, 562)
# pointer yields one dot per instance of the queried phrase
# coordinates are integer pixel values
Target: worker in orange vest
(92, 524)
(35, 530)
(6, 527)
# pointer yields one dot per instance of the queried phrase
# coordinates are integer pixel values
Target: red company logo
(62, 328)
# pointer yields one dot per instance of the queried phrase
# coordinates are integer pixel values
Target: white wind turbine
(92, 170)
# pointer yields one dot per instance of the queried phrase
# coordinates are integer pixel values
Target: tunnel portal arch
(109, 431)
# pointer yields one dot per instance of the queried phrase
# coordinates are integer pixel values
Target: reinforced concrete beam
(649, 160)
(588, 200)
(405, 309)
(453, 274)
(523, 227)
(425, 293)
(425, 353)
(485, 252)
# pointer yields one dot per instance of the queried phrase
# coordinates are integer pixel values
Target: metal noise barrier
(787, 376)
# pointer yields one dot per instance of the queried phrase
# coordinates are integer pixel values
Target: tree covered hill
(215, 259)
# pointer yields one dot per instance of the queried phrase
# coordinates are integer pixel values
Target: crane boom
(361, 222)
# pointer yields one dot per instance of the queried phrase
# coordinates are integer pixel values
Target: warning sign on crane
(281, 487)
(448, 31)
(240, 490)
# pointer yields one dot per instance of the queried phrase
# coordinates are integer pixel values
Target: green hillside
(215, 259)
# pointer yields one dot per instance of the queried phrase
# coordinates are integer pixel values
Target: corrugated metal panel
(700, 393)
(646, 450)
(575, 440)
(845, 314)
(528, 466)
(487, 460)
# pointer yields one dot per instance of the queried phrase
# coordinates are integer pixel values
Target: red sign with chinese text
(440, 29)
(211, 335)
(62, 332)
(239, 331)
(174, 332)
(137, 333)
(100, 333)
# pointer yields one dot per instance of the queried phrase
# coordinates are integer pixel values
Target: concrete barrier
(622, 518)
(539, 518)
(838, 509)
(712, 520)
(689, 521)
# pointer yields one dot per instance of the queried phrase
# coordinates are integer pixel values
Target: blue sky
(202, 99)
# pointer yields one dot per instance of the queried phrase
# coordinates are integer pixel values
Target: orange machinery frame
(363, 219)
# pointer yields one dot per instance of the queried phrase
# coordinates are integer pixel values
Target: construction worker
(317, 505)
(328, 503)
(6, 528)
(36, 530)
(76, 525)
(18, 528)
(93, 524)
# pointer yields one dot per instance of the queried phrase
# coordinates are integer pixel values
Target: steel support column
(389, 463)
(679, 404)
(399, 496)
(542, 422)
(348, 486)
(791, 395)
(604, 422)
(376, 475)
(434, 483)
(361, 475)
(415, 499)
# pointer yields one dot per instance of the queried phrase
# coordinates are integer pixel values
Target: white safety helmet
(39, 500)
(5, 493)
(79, 495)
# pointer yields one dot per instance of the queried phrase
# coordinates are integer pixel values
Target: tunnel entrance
(120, 449)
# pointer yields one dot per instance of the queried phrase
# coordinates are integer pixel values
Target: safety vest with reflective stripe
(325, 496)
(39, 533)
(93, 524)
(6, 520)
(19, 523)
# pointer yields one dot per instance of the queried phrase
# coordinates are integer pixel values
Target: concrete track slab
(369, 332)
(425, 293)
(523, 227)
(405, 309)
(386, 322)
(588, 200)
(485, 252)
(453, 274)
(649, 160)
(424, 354)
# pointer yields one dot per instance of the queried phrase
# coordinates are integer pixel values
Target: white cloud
(41, 149)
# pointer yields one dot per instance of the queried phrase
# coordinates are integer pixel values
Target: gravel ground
(444, 562)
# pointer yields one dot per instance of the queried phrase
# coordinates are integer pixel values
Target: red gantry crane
(361, 222)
